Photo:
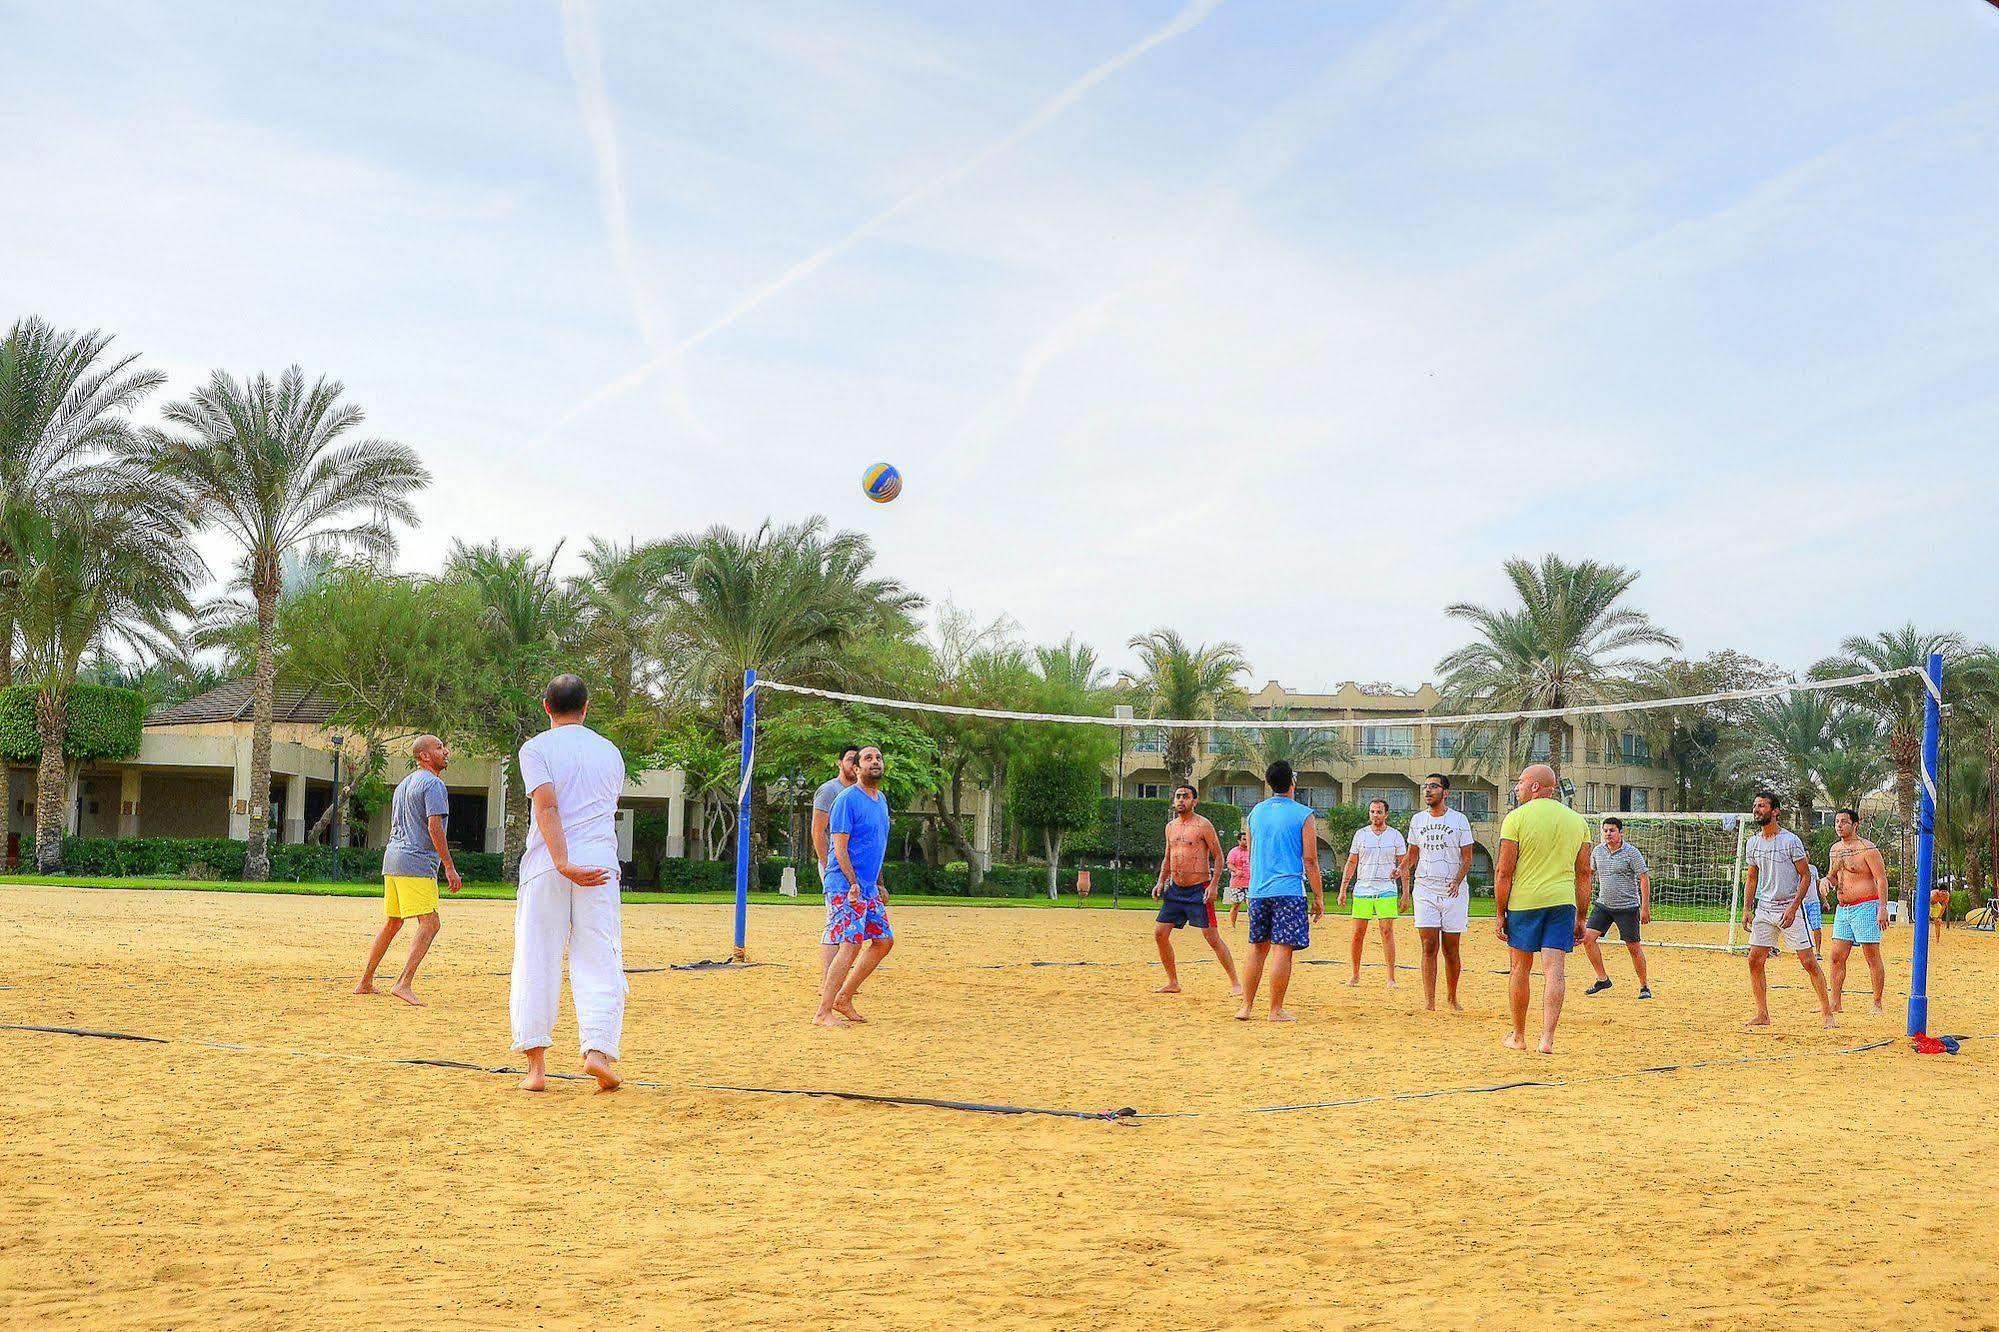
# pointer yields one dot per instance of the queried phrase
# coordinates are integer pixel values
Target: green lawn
(1140, 901)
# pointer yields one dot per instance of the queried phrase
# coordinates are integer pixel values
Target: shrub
(103, 723)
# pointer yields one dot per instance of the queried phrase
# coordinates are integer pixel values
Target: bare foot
(1236, 991)
(1513, 1042)
(1876, 1010)
(366, 987)
(407, 995)
(1243, 1014)
(1171, 987)
(1430, 1007)
(1763, 1021)
(536, 1080)
(830, 1020)
(1547, 1047)
(598, 1065)
(1392, 985)
(1281, 1015)
(1355, 981)
(845, 1008)
(1831, 1020)
(1457, 1007)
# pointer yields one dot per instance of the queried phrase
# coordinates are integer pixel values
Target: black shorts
(1626, 918)
(1184, 906)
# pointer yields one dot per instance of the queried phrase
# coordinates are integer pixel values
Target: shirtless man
(1859, 877)
(1185, 888)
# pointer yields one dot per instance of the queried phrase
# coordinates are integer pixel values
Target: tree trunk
(7, 653)
(257, 855)
(517, 819)
(51, 781)
(1905, 752)
(950, 816)
(1180, 755)
(1052, 840)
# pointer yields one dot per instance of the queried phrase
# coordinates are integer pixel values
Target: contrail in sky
(1189, 17)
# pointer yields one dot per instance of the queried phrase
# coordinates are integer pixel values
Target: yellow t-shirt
(1550, 836)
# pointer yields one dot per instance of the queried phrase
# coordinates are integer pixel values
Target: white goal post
(1696, 862)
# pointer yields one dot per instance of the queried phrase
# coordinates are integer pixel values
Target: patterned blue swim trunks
(1280, 920)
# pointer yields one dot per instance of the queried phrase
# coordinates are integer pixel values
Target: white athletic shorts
(1437, 910)
(1765, 929)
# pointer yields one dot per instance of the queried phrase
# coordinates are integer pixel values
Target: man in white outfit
(569, 890)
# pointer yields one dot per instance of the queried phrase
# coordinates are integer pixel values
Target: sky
(1276, 323)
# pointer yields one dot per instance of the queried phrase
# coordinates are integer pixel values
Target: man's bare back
(1853, 871)
(1192, 851)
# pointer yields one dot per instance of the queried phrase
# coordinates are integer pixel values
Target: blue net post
(743, 866)
(1926, 837)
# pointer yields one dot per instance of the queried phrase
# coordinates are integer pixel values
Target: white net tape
(1350, 723)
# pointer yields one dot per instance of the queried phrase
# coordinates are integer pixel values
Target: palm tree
(1899, 703)
(794, 603)
(63, 401)
(1071, 669)
(272, 465)
(96, 573)
(1785, 742)
(1253, 751)
(1856, 763)
(1181, 680)
(530, 619)
(1559, 648)
(1692, 738)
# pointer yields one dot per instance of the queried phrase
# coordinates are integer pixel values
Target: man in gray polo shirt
(822, 811)
(417, 849)
(1623, 898)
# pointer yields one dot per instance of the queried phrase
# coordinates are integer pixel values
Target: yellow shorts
(406, 895)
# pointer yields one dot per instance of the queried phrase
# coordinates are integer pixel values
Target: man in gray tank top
(848, 772)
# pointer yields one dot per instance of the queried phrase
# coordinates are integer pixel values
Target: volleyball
(882, 482)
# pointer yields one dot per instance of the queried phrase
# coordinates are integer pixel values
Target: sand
(305, 1179)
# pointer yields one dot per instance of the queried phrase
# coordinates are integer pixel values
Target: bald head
(1537, 780)
(430, 752)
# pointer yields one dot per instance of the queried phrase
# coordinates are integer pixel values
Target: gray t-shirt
(1776, 861)
(828, 792)
(409, 852)
(1616, 873)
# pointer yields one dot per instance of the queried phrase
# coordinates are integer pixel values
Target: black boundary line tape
(1112, 1116)
(85, 1031)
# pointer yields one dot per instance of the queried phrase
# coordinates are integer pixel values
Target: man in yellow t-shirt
(1541, 889)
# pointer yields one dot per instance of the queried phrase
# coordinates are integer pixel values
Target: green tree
(1058, 791)
(272, 464)
(1189, 682)
(528, 623)
(1855, 762)
(1693, 739)
(1784, 743)
(1969, 671)
(64, 402)
(1253, 751)
(96, 573)
(1561, 646)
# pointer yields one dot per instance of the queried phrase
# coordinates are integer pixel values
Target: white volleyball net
(1695, 862)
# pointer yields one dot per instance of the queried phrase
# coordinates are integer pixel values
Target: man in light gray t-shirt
(1777, 872)
(1623, 899)
(822, 812)
(416, 851)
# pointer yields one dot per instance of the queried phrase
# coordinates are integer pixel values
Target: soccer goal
(1697, 868)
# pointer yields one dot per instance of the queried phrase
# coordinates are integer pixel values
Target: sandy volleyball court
(302, 1177)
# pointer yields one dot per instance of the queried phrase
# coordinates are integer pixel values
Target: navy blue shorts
(1279, 920)
(1542, 927)
(1185, 906)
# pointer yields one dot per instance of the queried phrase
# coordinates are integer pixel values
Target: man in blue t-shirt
(1283, 858)
(857, 906)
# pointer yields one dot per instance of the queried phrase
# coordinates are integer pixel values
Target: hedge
(103, 723)
(1144, 825)
(222, 858)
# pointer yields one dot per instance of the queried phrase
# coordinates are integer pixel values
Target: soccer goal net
(1696, 864)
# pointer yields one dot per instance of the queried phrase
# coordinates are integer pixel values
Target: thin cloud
(1189, 17)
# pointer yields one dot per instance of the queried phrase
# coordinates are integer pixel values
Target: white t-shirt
(1378, 852)
(588, 775)
(1440, 841)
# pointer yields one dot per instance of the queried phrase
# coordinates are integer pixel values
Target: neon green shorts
(1377, 908)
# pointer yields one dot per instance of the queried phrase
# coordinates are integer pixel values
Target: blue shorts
(1814, 917)
(1279, 920)
(1859, 923)
(1542, 927)
(1185, 906)
(848, 923)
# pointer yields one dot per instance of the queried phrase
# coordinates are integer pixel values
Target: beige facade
(191, 778)
(1612, 771)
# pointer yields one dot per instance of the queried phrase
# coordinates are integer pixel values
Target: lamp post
(334, 833)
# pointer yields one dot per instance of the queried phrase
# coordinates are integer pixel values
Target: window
(1538, 751)
(1634, 749)
(1401, 799)
(1388, 741)
(1444, 742)
(1318, 797)
(1153, 791)
(1589, 798)
(1150, 740)
(1474, 805)
(1242, 797)
(1641, 800)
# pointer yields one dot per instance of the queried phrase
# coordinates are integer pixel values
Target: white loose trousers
(550, 913)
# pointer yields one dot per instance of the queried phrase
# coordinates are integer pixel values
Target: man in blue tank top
(1283, 858)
